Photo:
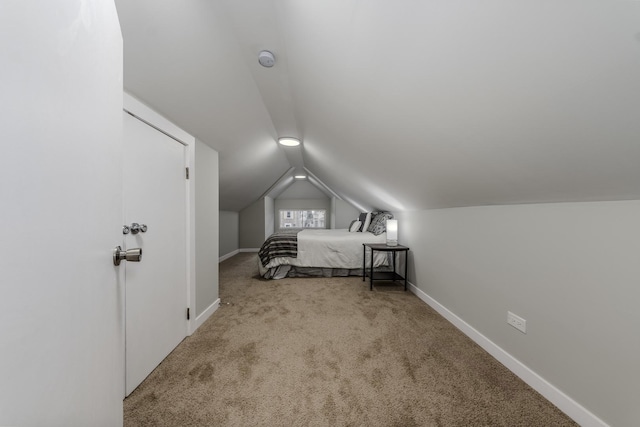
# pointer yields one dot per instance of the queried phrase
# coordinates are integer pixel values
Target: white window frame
(290, 214)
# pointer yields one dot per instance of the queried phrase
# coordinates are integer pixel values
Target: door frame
(139, 110)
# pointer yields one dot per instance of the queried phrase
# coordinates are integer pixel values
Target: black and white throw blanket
(280, 244)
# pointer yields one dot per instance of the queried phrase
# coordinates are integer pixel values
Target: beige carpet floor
(329, 352)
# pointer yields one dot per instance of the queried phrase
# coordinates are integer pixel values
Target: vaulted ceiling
(401, 105)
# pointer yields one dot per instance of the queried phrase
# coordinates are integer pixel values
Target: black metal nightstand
(384, 275)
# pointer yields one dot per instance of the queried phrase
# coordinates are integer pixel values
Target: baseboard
(236, 252)
(229, 255)
(567, 405)
(206, 314)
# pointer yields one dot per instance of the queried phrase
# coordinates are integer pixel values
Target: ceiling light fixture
(289, 142)
(300, 176)
(266, 59)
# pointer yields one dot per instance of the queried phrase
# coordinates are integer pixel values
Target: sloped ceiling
(401, 105)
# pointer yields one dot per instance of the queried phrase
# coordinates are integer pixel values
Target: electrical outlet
(517, 322)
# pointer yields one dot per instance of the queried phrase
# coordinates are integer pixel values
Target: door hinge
(188, 314)
(187, 173)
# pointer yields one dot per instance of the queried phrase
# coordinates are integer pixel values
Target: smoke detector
(266, 59)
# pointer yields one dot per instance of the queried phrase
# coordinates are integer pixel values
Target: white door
(61, 305)
(155, 192)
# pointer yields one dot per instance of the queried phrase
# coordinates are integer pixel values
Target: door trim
(140, 111)
(155, 127)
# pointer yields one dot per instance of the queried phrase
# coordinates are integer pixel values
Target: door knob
(131, 255)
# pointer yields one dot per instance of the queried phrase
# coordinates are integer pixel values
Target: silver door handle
(131, 255)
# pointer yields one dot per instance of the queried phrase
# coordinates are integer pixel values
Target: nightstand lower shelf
(388, 276)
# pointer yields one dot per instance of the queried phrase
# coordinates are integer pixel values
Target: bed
(317, 252)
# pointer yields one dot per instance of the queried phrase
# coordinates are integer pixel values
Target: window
(302, 218)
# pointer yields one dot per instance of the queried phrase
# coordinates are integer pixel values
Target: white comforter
(336, 248)
(332, 249)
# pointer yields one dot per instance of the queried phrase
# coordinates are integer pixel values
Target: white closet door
(155, 195)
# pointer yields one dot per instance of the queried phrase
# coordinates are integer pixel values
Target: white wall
(302, 189)
(333, 213)
(302, 195)
(207, 227)
(61, 304)
(229, 238)
(344, 213)
(570, 269)
(269, 216)
(260, 219)
(251, 233)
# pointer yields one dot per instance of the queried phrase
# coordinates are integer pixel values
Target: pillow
(367, 221)
(379, 222)
(355, 226)
(362, 217)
